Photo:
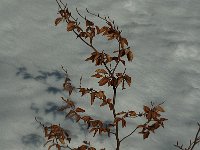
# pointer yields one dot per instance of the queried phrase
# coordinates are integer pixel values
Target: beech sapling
(107, 75)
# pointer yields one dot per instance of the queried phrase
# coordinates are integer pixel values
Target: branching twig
(39, 122)
(192, 144)
(129, 134)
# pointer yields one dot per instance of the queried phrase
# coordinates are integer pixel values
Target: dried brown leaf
(146, 109)
(101, 71)
(159, 108)
(71, 25)
(109, 59)
(128, 79)
(98, 30)
(120, 113)
(97, 75)
(79, 110)
(61, 140)
(130, 56)
(132, 113)
(103, 81)
(123, 123)
(86, 118)
(84, 91)
(146, 134)
(58, 20)
(89, 23)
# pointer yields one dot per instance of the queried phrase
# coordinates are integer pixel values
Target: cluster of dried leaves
(107, 76)
(152, 115)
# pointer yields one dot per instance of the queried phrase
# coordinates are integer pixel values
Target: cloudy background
(164, 36)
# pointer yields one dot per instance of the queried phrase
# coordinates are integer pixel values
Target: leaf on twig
(98, 30)
(129, 56)
(120, 113)
(92, 97)
(101, 71)
(79, 110)
(146, 134)
(123, 123)
(146, 109)
(84, 91)
(128, 79)
(61, 140)
(95, 131)
(58, 20)
(100, 95)
(117, 119)
(89, 23)
(132, 113)
(103, 81)
(97, 75)
(103, 29)
(109, 58)
(119, 80)
(159, 108)
(86, 118)
(71, 25)
(111, 106)
(71, 113)
(123, 41)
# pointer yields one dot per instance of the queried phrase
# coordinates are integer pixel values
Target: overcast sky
(164, 36)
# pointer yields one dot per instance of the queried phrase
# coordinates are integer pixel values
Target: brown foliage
(106, 76)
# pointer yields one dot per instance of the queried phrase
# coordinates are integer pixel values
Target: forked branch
(192, 144)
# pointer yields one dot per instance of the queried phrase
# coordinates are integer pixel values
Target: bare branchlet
(192, 143)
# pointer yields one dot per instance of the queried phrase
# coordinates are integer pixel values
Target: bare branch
(129, 134)
(192, 144)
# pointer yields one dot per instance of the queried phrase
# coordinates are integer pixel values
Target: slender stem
(128, 135)
(85, 41)
(114, 115)
(62, 3)
(107, 68)
(114, 111)
(58, 4)
(115, 67)
(196, 137)
(39, 122)
(118, 58)
(96, 15)
(90, 45)
(80, 14)
(192, 144)
(69, 147)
